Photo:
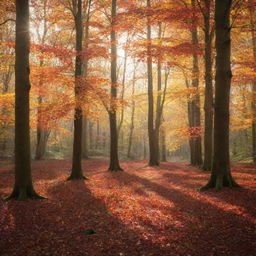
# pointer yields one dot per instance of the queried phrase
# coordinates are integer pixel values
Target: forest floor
(141, 211)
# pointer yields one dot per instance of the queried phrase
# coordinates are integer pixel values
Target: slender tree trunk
(91, 137)
(6, 78)
(114, 161)
(163, 144)
(253, 27)
(221, 174)
(23, 187)
(132, 116)
(190, 123)
(97, 143)
(85, 153)
(42, 134)
(42, 137)
(197, 144)
(153, 155)
(76, 172)
(123, 89)
(208, 102)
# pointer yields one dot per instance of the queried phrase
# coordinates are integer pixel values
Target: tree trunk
(23, 187)
(208, 102)
(42, 137)
(42, 134)
(221, 174)
(132, 116)
(197, 144)
(85, 153)
(114, 161)
(253, 27)
(190, 123)
(163, 144)
(91, 137)
(123, 89)
(76, 172)
(153, 155)
(97, 143)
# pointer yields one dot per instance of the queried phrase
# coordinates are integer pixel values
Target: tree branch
(7, 21)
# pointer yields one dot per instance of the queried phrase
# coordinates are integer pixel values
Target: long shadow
(57, 227)
(245, 194)
(204, 222)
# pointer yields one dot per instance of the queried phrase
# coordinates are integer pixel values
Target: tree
(23, 187)
(153, 153)
(221, 174)
(208, 100)
(114, 161)
(252, 28)
(42, 133)
(196, 144)
(129, 155)
(77, 172)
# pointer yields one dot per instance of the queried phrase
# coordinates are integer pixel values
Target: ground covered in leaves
(141, 211)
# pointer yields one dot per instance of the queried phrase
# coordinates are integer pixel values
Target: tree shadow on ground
(57, 227)
(204, 221)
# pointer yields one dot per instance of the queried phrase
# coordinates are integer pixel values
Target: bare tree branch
(7, 21)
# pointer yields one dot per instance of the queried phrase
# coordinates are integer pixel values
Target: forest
(128, 127)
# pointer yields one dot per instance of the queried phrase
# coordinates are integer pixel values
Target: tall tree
(129, 155)
(85, 153)
(196, 144)
(153, 153)
(252, 12)
(23, 187)
(208, 100)
(76, 172)
(114, 161)
(41, 132)
(221, 174)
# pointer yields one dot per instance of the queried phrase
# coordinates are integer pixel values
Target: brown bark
(85, 154)
(114, 160)
(153, 154)
(163, 144)
(195, 104)
(23, 187)
(132, 116)
(123, 89)
(221, 174)
(253, 27)
(208, 102)
(76, 172)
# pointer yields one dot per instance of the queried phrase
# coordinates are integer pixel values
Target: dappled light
(127, 128)
(153, 210)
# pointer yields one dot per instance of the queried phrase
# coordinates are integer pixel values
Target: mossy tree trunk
(23, 187)
(221, 174)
